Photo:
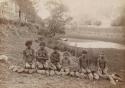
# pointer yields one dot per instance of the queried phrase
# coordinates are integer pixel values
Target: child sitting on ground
(66, 62)
(42, 57)
(102, 68)
(84, 65)
(55, 60)
(29, 56)
(102, 64)
(83, 62)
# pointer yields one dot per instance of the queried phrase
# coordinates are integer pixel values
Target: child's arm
(61, 62)
(80, 62)
(24, 55)
(98, 60)
(46, 56)
(69, 62)
(51, 57)
(87, 62)
(33, 53)
(59, 57)
(105, 62)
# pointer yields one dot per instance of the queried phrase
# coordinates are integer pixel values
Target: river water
(93, 44)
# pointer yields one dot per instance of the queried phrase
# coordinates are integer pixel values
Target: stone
(90, 76)
(20, 70)
(63, 73)
(3, 58)
(72, 73)
(15, 69)
(31, 71)
(96, 76)
(47, 73)
(11, 67)
(41, 71)
(52, 73)
(77, 74)
(26, 70)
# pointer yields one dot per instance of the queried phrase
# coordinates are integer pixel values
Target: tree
(27, 7)
(120, 20)
(97, 23)
(116, 22)
(58, 18)
(88, 22)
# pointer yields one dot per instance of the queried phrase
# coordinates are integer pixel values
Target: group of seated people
(41, 60)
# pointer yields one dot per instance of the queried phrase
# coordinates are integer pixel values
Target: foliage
(119, 21)
(58, 19)
(27, 7)
(97, 23)
(93, 22)
(88, 22)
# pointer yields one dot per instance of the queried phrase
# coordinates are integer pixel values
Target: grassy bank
(111, 34)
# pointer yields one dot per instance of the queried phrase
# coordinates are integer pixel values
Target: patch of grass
(111, 34)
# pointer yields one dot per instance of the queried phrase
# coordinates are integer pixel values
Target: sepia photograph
(62, 44)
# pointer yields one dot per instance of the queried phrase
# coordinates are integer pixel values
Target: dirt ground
(13, 49)
(40, 81)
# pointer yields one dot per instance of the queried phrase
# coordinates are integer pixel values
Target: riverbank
(108, 34)
(85, 43)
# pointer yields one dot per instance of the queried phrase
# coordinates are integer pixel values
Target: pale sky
(104, 10)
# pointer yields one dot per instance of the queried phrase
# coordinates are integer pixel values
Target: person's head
(102, 55)
(28, 44)
(84, 52)
(66, 54)
(42, 45)
(55, 48)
